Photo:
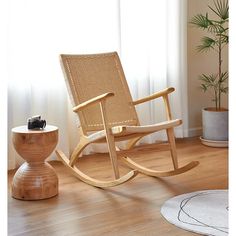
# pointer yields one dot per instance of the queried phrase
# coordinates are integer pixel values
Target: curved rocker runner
(103, 103)
(156, 173)
(97, 183)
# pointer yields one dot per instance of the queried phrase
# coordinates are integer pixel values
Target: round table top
(24, 129)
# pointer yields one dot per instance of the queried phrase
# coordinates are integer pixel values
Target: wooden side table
(35, 179)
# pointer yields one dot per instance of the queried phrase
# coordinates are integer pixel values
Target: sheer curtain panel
(148, 35)
(153, 42)
(39, 31)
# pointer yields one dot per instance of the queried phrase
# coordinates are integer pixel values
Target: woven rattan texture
(91, 75)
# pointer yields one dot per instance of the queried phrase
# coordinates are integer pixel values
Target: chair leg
(79, 148)
(171, 139)
(110, 141)
(113, 154)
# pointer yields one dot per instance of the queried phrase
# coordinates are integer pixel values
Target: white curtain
(153, 54)
(148, 35)
(39, 30)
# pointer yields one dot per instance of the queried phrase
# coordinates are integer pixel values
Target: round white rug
(204, 212)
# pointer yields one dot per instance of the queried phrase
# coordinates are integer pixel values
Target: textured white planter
(215, 124)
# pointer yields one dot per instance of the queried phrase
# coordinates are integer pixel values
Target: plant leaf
(224, 77)
(208, 80)
(224, 90)
(216, 28)
(203, 87)
(221, 9)
(207, 44)
(200, 21)
(224, 38)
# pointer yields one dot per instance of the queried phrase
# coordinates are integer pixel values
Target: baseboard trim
(193, 132)
(188, 133)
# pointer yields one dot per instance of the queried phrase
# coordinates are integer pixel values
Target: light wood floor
(130, 209)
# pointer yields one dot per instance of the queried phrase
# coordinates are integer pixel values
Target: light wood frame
(110, 134)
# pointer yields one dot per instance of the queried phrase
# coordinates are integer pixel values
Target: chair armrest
(154, 96)
(92, 101)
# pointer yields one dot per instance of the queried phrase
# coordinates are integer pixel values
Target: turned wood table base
(35, 182)
(35, 179)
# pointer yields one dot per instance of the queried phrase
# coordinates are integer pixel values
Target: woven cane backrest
(88, 76)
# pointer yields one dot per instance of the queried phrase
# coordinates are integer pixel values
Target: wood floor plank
(130, 209)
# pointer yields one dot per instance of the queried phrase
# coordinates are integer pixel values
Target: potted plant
(214, 119)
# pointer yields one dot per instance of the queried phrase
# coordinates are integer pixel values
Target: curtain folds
(148, 35)
(153, 56)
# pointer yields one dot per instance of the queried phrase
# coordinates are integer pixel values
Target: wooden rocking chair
(102, 100)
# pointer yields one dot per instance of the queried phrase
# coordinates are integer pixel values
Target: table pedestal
(35, 179)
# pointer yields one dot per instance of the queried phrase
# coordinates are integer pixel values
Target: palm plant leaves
(216, 38)
(221, 9)
(224, 77)
(200, 21)
(207, 44)
(212, 81)
(216, 28)
(223, 80)
(209, 81)
(224, 89)
(224, 39)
